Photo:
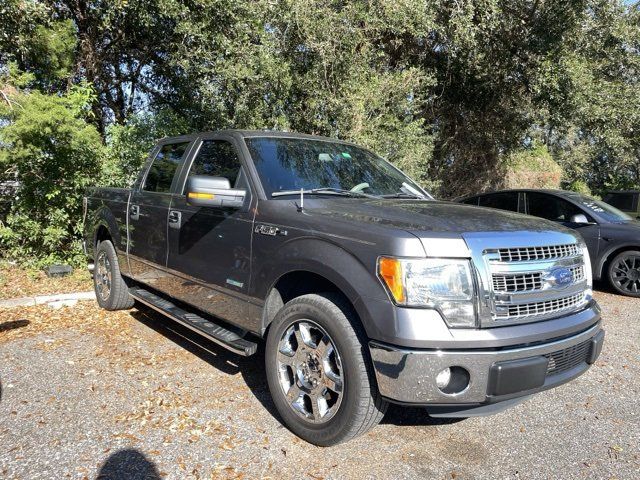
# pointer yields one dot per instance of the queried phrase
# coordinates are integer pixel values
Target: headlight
(441, 283)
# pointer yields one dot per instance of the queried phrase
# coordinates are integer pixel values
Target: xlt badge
(269, 230)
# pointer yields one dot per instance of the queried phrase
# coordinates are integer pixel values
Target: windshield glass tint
(293, 163)
(602, 209)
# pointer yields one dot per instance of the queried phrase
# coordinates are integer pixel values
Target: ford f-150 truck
(364, 288)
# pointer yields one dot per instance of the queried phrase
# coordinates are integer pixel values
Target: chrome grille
(525, 254)
(539, 308)
(517, 282)
(522, 282)
(566, 359)
(578, 273)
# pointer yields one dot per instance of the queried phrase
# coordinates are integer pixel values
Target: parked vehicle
(625, 200)
(365, 289)
(612, 236)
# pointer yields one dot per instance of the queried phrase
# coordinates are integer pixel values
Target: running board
(229, 337)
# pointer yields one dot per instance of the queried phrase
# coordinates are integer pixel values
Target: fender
(332, 262)
(607, 254)
(104, 217)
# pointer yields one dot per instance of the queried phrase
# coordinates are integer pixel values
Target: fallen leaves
(19, 282)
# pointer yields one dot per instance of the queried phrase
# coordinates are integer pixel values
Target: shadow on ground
(252, 368)
(129, 464)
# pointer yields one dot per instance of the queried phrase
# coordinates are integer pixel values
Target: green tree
(47, 144)
(128, 145)
(597, 137)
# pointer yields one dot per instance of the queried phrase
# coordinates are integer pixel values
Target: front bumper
(495, 375)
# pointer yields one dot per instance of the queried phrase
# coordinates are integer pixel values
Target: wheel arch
(609, 255)
(326, 268)
(105, 227)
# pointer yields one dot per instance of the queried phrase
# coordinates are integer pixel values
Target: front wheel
(624, 273)
(319, 371)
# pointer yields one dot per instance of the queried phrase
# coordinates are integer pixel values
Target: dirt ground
(16, 282)
(91, 394)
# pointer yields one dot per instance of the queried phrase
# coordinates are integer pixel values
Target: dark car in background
(625, 200)
(612, 236)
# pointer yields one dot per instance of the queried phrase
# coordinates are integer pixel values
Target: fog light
(453, 380)
(443, 378)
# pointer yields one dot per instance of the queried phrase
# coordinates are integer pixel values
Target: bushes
(532, 168)
(48, 145)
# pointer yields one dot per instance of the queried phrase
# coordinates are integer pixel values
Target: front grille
(522, 282)
(566, 359)
(539, 308)
(525, 254)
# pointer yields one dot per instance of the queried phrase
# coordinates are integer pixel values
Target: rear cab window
(164, 167)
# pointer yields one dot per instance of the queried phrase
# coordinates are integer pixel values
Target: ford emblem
(559, 277)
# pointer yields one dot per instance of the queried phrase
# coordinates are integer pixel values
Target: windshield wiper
(403, 195)
(323, 191)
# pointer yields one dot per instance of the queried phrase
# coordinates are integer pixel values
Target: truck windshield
(288, 164)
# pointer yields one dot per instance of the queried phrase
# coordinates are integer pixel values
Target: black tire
(361, 407)
(623, 272)
(107, 270)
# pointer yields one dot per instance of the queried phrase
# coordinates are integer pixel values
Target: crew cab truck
(364, 288)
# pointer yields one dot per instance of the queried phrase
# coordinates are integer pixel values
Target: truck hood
(443, 228)
(429, 216)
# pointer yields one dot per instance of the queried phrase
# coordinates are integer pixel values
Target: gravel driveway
(93, 394)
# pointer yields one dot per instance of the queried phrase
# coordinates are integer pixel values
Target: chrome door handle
(134, 212)
(175, 218)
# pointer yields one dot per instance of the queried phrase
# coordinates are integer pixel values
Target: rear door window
(164, 167)
(501, 200)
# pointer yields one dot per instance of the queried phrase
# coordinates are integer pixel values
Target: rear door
(210, 247)
(148, 211)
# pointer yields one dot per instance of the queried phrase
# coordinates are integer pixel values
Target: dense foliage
(464, 95)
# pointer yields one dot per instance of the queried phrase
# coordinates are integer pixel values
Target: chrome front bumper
(409, 376)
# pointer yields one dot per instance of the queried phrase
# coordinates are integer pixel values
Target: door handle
(175, 218)
(134, 212)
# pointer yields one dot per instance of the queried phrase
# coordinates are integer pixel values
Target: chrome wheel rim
(310, 371)
(103, 276)
(626, 273)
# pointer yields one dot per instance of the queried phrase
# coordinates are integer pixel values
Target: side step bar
(229, 337)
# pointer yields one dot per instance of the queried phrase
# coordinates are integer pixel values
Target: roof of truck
(252, 133)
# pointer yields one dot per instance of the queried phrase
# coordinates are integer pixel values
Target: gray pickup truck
(365, 289)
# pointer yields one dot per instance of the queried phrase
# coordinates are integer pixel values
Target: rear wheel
(624, 273)
(111, 290)
(319, 371)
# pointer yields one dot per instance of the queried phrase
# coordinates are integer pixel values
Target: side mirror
(205, 191)
(579, 218)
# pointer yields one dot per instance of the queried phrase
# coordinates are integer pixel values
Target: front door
(210, 248)
(147, 216)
